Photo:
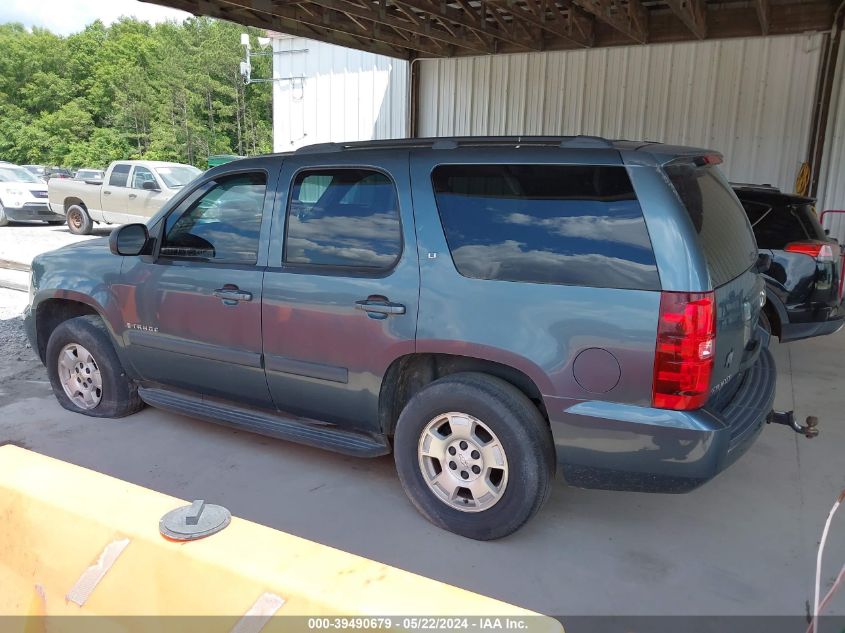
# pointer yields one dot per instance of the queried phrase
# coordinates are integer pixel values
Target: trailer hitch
(787, 418)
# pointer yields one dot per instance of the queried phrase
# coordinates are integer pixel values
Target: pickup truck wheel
(474, 455)
(78, 220)
(86, 374)
(4, 219)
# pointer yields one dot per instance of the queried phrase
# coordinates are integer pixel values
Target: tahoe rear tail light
(686, 342)
(817, 250)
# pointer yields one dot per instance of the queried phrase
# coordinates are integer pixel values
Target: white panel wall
(345, 95)
(832, 176)
(751, 99)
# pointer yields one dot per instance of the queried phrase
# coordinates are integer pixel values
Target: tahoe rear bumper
(617, 446)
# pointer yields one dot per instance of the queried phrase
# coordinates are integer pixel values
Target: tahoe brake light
(686, 342)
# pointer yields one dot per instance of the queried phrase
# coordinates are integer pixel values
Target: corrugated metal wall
(335, 94)
(832, 179)
(751, 99)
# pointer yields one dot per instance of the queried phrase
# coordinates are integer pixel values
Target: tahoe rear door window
(718, 217)
(556, 224)
(343, 218)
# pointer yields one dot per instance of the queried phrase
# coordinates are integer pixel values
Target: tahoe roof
(659, 150)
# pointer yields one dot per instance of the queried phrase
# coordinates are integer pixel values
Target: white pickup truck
(132, 191)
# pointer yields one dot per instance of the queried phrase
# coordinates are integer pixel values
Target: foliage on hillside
(131, 90)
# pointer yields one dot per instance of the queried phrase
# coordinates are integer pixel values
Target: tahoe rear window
(555, 224)
(718, 217)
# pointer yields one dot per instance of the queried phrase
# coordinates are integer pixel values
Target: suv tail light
(686, 342)
(824, 253)
(817, 250)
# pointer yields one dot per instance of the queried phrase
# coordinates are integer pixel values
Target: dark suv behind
(804, 282)
(491, 310)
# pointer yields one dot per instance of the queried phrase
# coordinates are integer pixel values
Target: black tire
(4, 219)
(78, 220)
(119, 396)
(522, 432)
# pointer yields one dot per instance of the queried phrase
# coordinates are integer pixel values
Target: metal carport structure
(451, 30)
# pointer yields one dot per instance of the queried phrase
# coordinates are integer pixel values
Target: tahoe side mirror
(149, 185)
(129, 239)
(764, 262)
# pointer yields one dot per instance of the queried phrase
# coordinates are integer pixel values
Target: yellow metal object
(802, 181)
(58, 520)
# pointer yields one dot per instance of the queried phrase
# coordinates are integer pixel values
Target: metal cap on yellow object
(193, 522)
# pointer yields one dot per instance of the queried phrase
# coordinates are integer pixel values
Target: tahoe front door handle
(232, 295)
(380, 307)
(133, 195)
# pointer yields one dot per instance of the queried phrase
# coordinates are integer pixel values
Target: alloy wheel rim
(80, 376)
(76, 219)
(463, 462)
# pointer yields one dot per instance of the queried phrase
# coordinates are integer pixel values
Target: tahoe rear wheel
(474, 455)
(85, 373)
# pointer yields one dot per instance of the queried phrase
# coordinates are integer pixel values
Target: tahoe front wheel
(474, 455)
(85, 373)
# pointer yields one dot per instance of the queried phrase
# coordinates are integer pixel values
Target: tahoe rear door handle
(232, 294)
(380, 307)
(133, 195)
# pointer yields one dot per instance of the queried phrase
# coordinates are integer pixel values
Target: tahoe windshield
(718, 217)
(17, 174)
(177, 176)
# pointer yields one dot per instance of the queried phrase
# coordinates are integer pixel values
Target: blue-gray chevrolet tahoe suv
(492, 310)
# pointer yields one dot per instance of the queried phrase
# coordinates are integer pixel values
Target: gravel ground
(21, 242)
(17, 356)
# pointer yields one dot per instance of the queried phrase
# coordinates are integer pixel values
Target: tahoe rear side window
(718, 217)
(556, 224)
(343, 218)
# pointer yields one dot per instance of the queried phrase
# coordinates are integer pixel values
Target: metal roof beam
(630, 18)
(549, 19)
(532, 41)
(391, 18)
(283, 24)
(468, 17)
(763, 12)
(693, 14)
(305, 14)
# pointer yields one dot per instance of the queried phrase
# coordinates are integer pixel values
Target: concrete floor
(743, 544)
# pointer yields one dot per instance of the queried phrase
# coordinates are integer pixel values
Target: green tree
(130, 90)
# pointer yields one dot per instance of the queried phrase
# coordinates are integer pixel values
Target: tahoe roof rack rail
(566, 142)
